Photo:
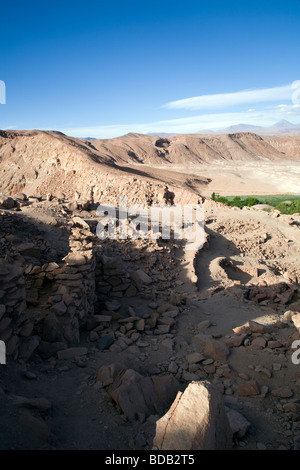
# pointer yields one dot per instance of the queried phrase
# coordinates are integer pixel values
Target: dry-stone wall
(43, 305)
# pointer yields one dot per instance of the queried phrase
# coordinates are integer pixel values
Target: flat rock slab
(238, 423)
(282, 392)
(140, 396)
(197, 420)
(216, 350)
(248, 389)
(140, 276)
(70, 353)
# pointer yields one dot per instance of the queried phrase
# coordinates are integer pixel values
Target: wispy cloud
(2, 92)
(191, 124)
(262, 108)
(225, 100)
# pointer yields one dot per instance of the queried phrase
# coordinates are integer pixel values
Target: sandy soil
(244, 178)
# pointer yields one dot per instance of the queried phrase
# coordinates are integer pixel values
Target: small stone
(235, 340)
(238, 423)
(93, 336)
(102, 318)
(153, 305)
(260, 446)
(164, 307)
(140, 276)
(273, 344)
(70, 353)
(189, 377)
(243, 376)
(105, 342)
(282, 392)
(30, 375)
(59, 308)
(173, 367)
(263, 391)
(216, 350)
(194, 358)
(292, 407)
(50, 267)
(162, 329)
(74, 259)
(168, 344)
(79, 221)
(204, 324)
(258, 343)
(207, 362)
(256, 327)
(248, 389)
(140, 324)
(131, 291)
(264, 371)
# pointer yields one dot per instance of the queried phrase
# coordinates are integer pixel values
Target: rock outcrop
(197, 420)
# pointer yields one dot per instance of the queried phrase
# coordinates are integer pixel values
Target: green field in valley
(285, 203)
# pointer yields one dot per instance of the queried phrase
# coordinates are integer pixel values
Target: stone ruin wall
(43, 306)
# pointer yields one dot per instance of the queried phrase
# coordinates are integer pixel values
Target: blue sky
(102, 69)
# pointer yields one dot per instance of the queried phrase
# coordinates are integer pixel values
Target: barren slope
(195, 149)
(41, 162)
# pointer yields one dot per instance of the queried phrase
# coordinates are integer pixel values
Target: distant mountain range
(161, 134)
(282, 127)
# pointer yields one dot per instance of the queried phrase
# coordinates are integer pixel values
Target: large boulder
(197, 420)
(6, 201)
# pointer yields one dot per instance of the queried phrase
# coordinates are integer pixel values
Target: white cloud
(185, 125)
(286, 105)
(221, 100)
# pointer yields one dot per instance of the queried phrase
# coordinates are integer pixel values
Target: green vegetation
(292, 208)
(286, 204)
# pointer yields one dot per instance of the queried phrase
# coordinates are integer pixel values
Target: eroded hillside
(42, 162)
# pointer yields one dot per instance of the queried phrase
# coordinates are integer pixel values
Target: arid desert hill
(40, 162)
(188, 150)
